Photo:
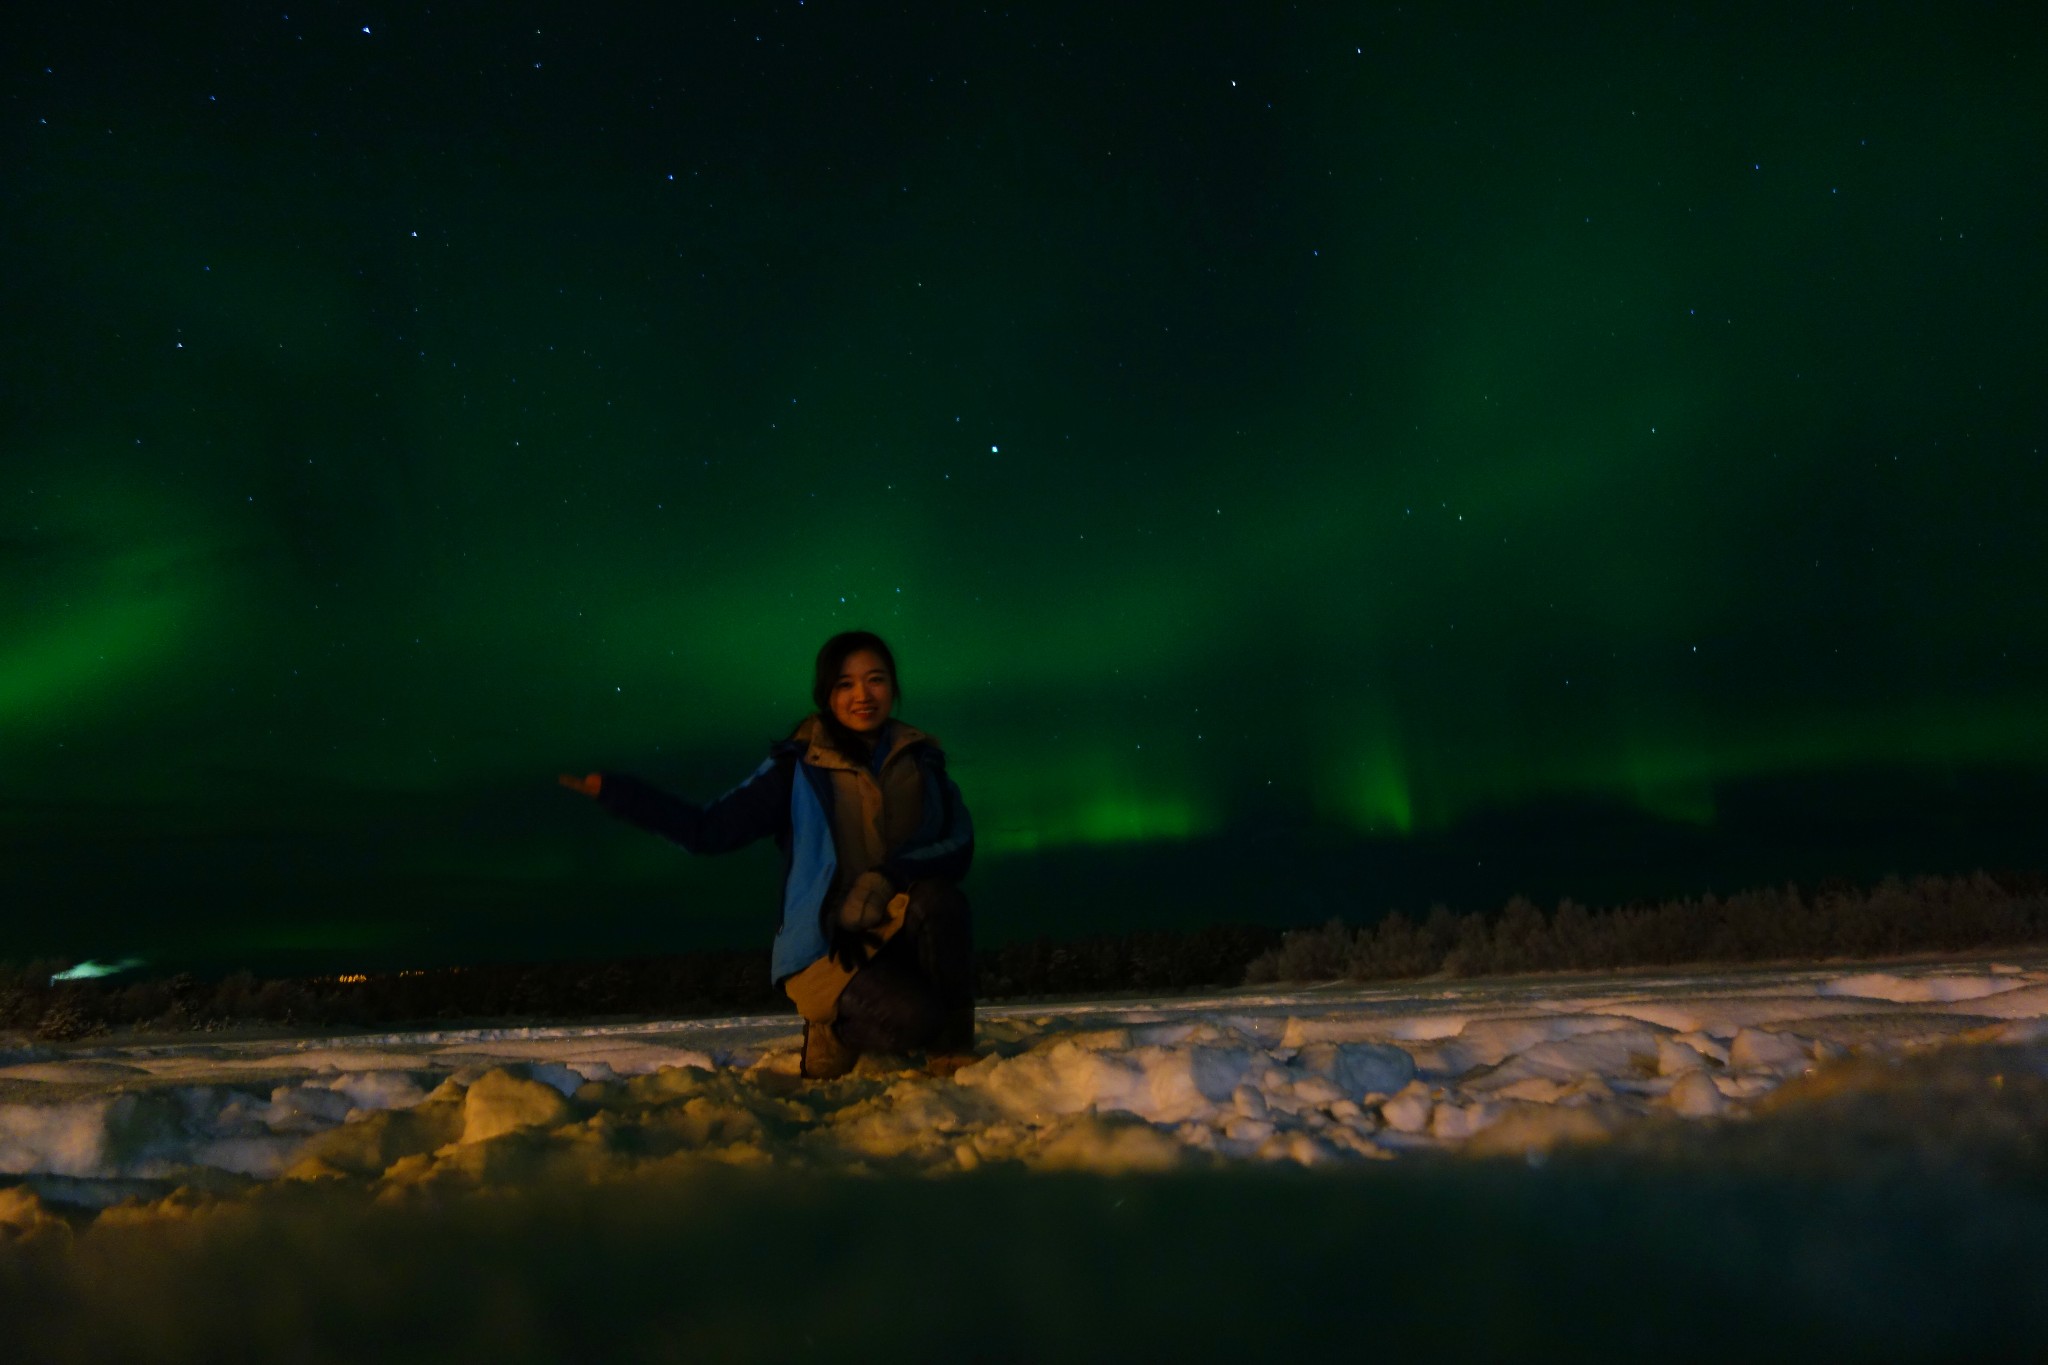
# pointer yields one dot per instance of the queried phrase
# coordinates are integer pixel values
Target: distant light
(993, 451)
(87, 970)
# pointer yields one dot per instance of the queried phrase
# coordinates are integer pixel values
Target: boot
(952, 1047)
(825, 1057)
(956, 1030)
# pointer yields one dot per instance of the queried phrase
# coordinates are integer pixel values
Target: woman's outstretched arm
(757, 808)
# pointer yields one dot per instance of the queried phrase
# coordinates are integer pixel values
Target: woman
(875, 946)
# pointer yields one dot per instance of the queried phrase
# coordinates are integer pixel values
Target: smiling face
(864, 693)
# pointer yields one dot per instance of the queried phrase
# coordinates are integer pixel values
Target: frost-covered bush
(1307, 955)
(69, 1019)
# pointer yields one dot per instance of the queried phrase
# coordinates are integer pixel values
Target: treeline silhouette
(1835, 919)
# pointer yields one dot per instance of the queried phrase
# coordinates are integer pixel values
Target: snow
(500, 1102)
(1947, 986)
(1317, 1078)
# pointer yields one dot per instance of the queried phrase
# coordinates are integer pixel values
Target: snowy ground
(1828, 1164)
(1321, 1077)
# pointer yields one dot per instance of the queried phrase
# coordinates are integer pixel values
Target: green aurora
(1273, 445)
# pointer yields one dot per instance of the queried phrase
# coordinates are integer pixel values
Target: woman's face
(864, 694)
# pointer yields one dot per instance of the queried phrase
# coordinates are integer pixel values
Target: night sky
(1308, 460)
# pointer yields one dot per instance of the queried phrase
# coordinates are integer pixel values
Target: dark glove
(619, 793)
(851, 948)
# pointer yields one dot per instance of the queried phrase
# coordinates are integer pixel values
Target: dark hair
(831, 659)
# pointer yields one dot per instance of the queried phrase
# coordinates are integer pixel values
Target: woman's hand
(590, 784)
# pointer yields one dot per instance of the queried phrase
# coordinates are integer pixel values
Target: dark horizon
(1857, 828)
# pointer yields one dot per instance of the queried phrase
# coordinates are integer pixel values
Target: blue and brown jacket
(832, 816)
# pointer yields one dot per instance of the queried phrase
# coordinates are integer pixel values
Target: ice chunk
(1618, 1051)
(1759, 1050)
(1263, 1030)
(1676, 1057)
(1357, 1069)
(1217, 1071)
(1705, 1045)
(565, 1079)
(373, 1144)
(1743, 1087)
(1456, 1122)
(1695, 1096)
(105, 1136)
(909, 1117)
(1163, 1085)
(1248, 1130)
(1533, 1089)
(1162, 1034)
(1314, 1090)
(305, 1108)
(378, 1089)
(500, 1102)
(1491, 1040)
(1408, 1111)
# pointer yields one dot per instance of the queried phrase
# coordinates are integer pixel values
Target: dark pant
(918, 990)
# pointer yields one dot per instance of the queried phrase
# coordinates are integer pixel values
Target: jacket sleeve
(944, 844)
(757, 808)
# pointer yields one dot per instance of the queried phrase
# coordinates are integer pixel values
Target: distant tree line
(1836, 919)
(1156, 961)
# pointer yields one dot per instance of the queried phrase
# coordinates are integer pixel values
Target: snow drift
(1308, 1078)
